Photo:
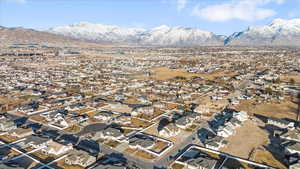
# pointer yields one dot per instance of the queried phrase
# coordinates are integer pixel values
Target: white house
(281, 123)
(169, 130)
(56, 149)
(241, 116)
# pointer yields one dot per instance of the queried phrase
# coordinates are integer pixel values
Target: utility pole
(298, 113)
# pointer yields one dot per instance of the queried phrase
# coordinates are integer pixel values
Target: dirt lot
(263, 156)
(139, 123)
(164, 73)
(287, 78)
(247, 137)
(284, 109)
(73, 129)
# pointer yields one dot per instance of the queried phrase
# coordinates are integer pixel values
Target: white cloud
(15, 1)
(181, 4)
(247, 10)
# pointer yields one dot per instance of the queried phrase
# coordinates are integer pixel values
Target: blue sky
(218, 16)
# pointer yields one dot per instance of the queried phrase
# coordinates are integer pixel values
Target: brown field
(13, 153)
(287, 78)
(8, 139)
(38, 118)
(177, 166)
(93, 120)
(43, 157)
(73, 129)
(143, 154)
(139, 123)
(164, 73)
(112, 144)
(265, 157)
(83, 111)
(131, 100)
(247, 137)
(284, 109)
(171, 106)
(157, 112)
(129, 151)
(160, 145)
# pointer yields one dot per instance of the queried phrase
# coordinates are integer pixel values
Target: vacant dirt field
(288, 77)
(265, 157)
(247, 137)
(284, 109)
(164, 73)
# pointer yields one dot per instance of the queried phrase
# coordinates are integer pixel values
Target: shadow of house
(53, 134)
(89, 146)
(23, 162)
(34, 126)
(275, 146)
(176, 116)
(231, 163)
(162, 123)
(114, 160)
(68, 139)
(204, 134)
(261, 117)
(20, 121)
(92, 128)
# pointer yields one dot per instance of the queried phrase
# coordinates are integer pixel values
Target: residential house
(147, 110)
(56, 148)
(215, 143)
(169, 130)
(195, 159)
(34, 142)
(142, 142)
(225, 131)
(112, 133)
(81, 158)
(21, 132)
(241, 116)
(202, 109)
(183, 122)
(7, 125)
(281, 123)
(103, 115)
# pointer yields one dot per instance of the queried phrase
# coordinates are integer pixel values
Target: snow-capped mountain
(279, 33)
(98, 32)
(162, 35)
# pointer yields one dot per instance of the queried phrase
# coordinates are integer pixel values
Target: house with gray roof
(140, 141)
(195, 159)
(110, 133)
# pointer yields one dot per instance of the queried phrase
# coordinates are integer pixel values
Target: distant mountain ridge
(162, 35)
(279, 32)
(23, 35)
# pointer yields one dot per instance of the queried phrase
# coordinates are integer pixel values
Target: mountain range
(279, 32)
